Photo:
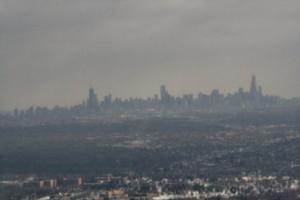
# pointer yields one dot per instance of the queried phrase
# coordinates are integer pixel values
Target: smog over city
(149, 100)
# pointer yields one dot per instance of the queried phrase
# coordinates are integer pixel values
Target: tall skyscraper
(215, 97)
(259, 91)
(253, 88)
(93, 100)
(91, 97)
(165, 98)
(162, 92)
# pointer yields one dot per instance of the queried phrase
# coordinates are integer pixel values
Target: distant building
(253, 89)
(79, 181)
(16, 112)
(52, 182)
(92, 100)
(41, 183)
(163, 93)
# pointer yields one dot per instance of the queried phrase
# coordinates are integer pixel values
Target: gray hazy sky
(53, 51)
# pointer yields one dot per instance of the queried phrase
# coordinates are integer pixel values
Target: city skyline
(216, 100)
(51, 52)
(253, 91)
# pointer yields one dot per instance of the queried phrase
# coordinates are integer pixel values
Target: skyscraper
(165, 98)
(92, 101)
(253, 89)
(91, 97)
(162, 92)
(259, 91)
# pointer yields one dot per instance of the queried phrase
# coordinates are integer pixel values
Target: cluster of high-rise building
(216, 101)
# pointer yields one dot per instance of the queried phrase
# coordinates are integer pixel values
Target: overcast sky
(53, 51)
